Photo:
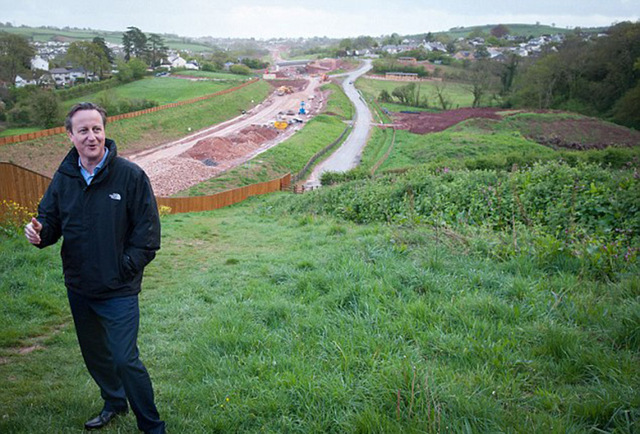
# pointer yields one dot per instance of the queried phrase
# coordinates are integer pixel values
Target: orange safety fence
(26, 188)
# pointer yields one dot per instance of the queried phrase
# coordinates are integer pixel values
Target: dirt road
(174, 166)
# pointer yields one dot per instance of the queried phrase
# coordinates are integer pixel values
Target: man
(104, 209)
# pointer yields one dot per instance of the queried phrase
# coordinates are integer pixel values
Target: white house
(22, 82)
(39, 63)
(177, 61)
(64, 76)
(192, 64)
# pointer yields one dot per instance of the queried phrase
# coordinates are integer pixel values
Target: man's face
(87, 135)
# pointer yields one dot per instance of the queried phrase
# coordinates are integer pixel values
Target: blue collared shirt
(88, 177)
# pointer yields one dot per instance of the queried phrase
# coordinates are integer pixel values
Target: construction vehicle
(283, 90)
(281, 125)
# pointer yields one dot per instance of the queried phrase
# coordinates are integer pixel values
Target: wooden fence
(60, 130)
(26, 188)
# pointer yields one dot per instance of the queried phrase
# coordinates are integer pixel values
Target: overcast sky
(304, 18)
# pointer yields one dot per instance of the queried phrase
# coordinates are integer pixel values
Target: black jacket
(110, 228)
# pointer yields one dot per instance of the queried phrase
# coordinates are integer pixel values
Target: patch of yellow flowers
(13, 216)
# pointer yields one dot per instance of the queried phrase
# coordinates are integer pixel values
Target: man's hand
(32, 231)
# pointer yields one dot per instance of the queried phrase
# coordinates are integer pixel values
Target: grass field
(280, 322)
(17, 131)
(477, 144)
(212, 75)
(162, 90)
(457, 93)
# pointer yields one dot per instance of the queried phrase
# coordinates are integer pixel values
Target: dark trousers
(107, 331)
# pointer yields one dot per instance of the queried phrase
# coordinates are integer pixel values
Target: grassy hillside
(42, 34)
(533, 30)
(162, 90)
(282, 321)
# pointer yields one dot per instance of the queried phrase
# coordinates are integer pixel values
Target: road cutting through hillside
(178, 165)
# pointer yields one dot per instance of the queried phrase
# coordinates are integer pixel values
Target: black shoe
(101, 420)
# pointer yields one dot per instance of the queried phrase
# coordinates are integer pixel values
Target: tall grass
(279, 322)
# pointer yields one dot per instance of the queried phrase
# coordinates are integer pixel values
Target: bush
(240, 70)
(19, 116)
(45, 109)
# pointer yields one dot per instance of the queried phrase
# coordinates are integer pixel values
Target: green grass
(162, 90)
(453, 149)
(457, 93)
(212, 75)
(338, 103)
(17, 131)
(278, 322)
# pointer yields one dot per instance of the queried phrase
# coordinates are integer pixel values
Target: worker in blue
(104, 209)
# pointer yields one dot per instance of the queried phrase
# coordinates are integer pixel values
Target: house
(464, 55)
(192, 64)
(68, 76)
(39, 63)
(35, 78)
(22, 82)
(434, 46)
(177, 61)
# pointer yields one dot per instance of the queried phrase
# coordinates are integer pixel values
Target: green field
(38, 34)
(276, 320)
(459, 94)
(212, 75)
(162, 90)
(17, 131)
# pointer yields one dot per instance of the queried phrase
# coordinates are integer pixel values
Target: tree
(138, 68)
(134, 43)
(45, 108)
(385, 96)
(157, 49)
(481, 52)
(481, 81)
(442, 97)
(88, 56)
(100, 42)
(500, 31)
(15, 56)
(508, 73)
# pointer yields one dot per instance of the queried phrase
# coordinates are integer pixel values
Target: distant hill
(45, 34)
(534, 30)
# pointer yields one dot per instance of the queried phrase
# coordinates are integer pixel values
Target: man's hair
(84, 106)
